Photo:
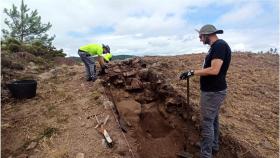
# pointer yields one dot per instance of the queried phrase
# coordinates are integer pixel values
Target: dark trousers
(210, 105)
(89, 64)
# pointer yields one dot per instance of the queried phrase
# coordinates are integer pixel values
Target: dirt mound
(65, 61)
(130, 111)
(153, 124)
(167, 123)
(60, 120)
(24, 65)
(250, 113)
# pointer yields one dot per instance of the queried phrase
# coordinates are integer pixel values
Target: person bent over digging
(213, 87)
(103, 55)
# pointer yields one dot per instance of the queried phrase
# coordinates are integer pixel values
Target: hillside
(115, 57)
(60, 121)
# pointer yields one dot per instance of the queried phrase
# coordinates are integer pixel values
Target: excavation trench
(157, 119)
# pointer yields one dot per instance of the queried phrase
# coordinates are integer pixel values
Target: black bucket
(23, 89)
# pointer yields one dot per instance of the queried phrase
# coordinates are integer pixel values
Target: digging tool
(119, 120)
(107, 138)
(122, 123)
(183, 77)
(106, 119)
(90, 116)
(98, 122)
(104, 132)
(188, 91)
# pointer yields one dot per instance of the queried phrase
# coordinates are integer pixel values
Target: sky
(156, 27)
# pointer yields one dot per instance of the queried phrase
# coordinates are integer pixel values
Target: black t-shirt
(213, 83)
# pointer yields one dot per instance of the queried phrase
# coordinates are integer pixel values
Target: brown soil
(152, 105)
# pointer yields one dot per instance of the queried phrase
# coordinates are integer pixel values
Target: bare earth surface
(60, 121)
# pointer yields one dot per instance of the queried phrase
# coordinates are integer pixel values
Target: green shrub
(11, 45)
(59, 53)
(39, 60)
(17, 66)
(36, 48)
(38, 43)
(12, 40)
(14, 47)
(28, 48)
(5, 62)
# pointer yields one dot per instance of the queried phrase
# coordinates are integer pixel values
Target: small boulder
(80, 155)
(32, 145)
(136, 84)
(129, 111)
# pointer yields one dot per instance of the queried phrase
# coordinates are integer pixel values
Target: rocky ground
(153, 112)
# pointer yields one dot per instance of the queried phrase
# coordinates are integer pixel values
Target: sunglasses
(203, 36)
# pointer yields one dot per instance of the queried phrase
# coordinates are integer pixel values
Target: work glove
(104, 67)
(186, 74)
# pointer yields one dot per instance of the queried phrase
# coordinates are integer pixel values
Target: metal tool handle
(188, 91)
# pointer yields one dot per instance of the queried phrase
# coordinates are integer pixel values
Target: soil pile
(151, 101)
(161, 122)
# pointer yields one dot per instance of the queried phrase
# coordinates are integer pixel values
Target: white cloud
(144, 27)
(244, 12)
(151, 26)
(159, 45)
(251, 39)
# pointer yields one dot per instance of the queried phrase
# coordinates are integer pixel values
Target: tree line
(26, 32)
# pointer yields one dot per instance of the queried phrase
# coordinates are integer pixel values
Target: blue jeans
(89, 64)
(210, 105)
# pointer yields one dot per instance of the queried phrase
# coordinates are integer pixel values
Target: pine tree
(25, 26)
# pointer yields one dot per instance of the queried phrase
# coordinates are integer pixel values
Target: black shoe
(184, 154)
(93, 79)
(215, 152)
(89, 79)
(101, 72)
(197, 145)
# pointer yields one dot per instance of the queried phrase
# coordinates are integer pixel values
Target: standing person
(103, 55)
(213, 87)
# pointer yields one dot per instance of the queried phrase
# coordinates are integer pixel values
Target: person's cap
(209, 29)
(106, 47)
(107, 57)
